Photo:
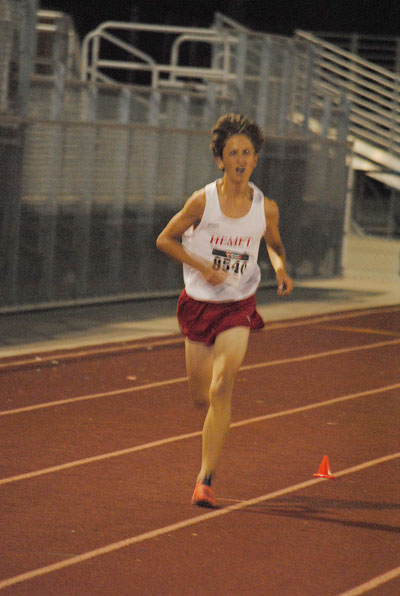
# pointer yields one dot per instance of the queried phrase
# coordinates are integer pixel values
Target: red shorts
(202, 321)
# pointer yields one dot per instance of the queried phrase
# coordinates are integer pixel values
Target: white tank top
(230, 244)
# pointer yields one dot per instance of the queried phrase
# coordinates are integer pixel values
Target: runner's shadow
(326, 511)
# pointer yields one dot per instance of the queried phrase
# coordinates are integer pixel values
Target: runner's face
(238, 158)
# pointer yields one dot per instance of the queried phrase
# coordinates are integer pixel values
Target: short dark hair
(234, 124)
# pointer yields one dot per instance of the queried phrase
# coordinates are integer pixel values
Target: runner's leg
(199, 363)
(229, 351)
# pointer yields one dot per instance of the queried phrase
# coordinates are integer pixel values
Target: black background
(373, 17)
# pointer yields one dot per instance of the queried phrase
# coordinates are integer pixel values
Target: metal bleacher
(320, 81)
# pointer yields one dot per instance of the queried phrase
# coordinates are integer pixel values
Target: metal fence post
(263, 87)
(115, 216)
(59, 53)
(240, 70)
(326, 116)
(145, 217)
(309, 86)
(182, 148)
(285, 87)
(49, 212)
(83, 212)
(27, 54)
(344, 122)
(209, 106)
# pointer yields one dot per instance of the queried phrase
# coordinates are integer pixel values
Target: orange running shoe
(203, 496)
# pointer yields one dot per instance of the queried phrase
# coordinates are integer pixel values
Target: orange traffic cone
(324, 469)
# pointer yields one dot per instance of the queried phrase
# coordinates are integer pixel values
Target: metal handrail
(367, 86)
(212, 38)
(380, 49)
(91, 61)
(48, 22)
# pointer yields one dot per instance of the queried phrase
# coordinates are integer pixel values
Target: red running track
(101, 446)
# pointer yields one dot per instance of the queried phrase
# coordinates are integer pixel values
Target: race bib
(233, 263)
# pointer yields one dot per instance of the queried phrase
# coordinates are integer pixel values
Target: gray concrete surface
(58, 328)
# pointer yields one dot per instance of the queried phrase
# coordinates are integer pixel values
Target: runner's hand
(285, 283)
(214, 276)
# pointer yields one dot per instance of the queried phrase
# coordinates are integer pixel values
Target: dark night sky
(271, 16)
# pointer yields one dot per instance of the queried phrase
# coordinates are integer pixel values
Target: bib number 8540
(226, 264)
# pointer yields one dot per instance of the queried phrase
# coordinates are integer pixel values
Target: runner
(216, 235)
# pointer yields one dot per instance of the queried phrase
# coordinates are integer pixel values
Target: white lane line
(380, 344)
(161, 442)
(330, 317)
(101, 457)
(172, 341)
(109, 548)
(365, 330)
(320, 404)
(373, 583)
(81, 353)
(183, 379)
(71, 400)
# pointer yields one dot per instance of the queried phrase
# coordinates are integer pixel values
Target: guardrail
(93, 63)
(384, 50)
(266, 76)
(57, 42)
(372, 91)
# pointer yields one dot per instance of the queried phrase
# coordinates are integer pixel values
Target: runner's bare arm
(275, 248)
(169, 240)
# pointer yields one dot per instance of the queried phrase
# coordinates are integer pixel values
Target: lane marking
(373, 583)
(332, 317)
(70, 400)
(358, 330)
(115, 546)
(336, 352)
(173, 341)
(191, 435)
(90, 352)
(321, 404)
(325, 354)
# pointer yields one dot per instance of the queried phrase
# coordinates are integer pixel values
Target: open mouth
(240, 170)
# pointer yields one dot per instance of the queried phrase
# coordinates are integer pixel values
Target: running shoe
(203, 496)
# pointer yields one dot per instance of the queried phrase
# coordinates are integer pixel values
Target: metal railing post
(115, 216)
(326, 116)
(241, 63)
(145, 216)
(309, 86)
(27, 53)
(263, 86)
(285, 88)
(59, 69)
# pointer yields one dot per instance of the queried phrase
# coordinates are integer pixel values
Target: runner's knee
(199, 396)
(221, 390)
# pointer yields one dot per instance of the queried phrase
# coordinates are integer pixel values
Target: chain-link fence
(95, 196)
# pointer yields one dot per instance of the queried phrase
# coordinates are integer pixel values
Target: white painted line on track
(373, 583)
(333, 317)
(71, 400)
(326, 354)
(157, 384)
(365, 330)
(96, 351)
(101, 457)
(115, 546)
(161, 442)
(119, 348)
(320, 404)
